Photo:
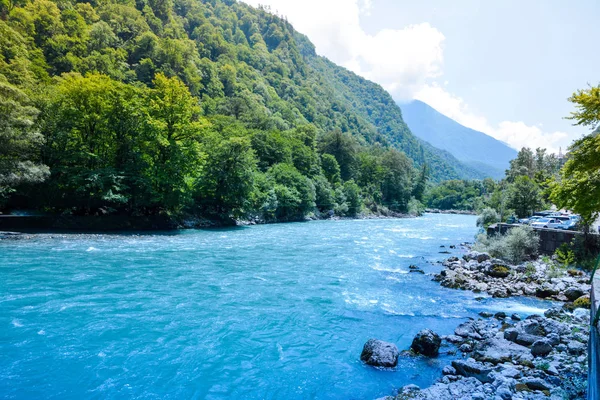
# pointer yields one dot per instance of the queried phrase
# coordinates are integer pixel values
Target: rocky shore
(503, 357)
(544, 279)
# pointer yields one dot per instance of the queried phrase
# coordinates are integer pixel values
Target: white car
(547, 223)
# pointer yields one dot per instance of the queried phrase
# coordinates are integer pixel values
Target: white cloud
(405, 62)
(516, 133)
(401, 60)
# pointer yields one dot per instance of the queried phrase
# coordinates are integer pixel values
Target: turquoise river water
(263, 312)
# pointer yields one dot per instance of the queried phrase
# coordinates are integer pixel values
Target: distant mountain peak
(476, 149)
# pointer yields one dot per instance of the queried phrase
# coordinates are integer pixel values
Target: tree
(397, 184)
(420, 183)
(525, 196)
(174, 119)
(578, 186)
(331, 169)
(343, 147)
(20, 142)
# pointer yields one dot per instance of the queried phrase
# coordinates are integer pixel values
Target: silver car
(547, 223)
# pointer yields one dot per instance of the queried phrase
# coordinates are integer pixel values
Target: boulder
(546, 290)
(498, 271)
(573, 293)
(536, 384)
(469, 330)
(486, 314)
(380, 354)
(553, 312)
(449, 370)
(471, 368)
(541, 348)
(500, 315)
(497, 351)
(427, 343)
(475, 255)
(576, 348)
(525, 339)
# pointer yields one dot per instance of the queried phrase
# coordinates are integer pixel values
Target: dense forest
(209, 107)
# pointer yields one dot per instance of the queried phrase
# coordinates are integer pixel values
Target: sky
(503, 67)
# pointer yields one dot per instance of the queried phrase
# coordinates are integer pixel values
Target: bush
(488, 216)
(518, 244)
(583, 302)
(415, 207)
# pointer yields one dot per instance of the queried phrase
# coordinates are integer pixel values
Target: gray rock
(468, 329)
(471, 368)
(532, 327)
(380, 354)
(500, 315)
(573, 293)
(449, 370)
(497, 351)
(479, 257)
(486, 314)
(515, 317)
(454, 339)
(536, 383)
(504, 392)
(427, 343)
(541, 348)
(546, 290)
(511, 334)
(410, 389)
(553, 339)
(552, 312)
(574, 347)
(465, 348)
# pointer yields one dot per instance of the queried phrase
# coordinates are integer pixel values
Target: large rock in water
(380, 354)
(427, 343)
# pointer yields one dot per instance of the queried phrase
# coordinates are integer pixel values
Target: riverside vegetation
(207, 108)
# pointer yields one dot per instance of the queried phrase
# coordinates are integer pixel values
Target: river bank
(542, 278)
(505, 358)
(89, 223)
(500, 356)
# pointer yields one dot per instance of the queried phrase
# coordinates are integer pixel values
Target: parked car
(529, 220)
(546, 223)
(569, 225)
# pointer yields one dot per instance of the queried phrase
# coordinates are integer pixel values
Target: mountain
(207, 106)
(473, 148)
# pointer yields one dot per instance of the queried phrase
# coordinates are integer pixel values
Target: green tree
(228, 177)
(525, 196)
(343, 147)
(20, 142)
(578, 186)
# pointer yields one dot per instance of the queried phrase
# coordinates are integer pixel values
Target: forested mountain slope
(474, 148)
(214, 106)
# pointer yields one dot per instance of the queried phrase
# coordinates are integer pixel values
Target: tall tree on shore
(578, 187)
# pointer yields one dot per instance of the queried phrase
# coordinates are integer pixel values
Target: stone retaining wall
(550, 239)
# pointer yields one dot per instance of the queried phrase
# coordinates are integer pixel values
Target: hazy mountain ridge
(473, 148)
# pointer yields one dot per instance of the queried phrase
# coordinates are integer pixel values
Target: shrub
(415, 207)
(518, 244)
(488, 216)
(565, 255)
(583, 302)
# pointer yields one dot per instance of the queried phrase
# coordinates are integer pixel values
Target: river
(263, 312)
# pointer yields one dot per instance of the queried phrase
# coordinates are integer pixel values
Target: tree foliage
(186, 106)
